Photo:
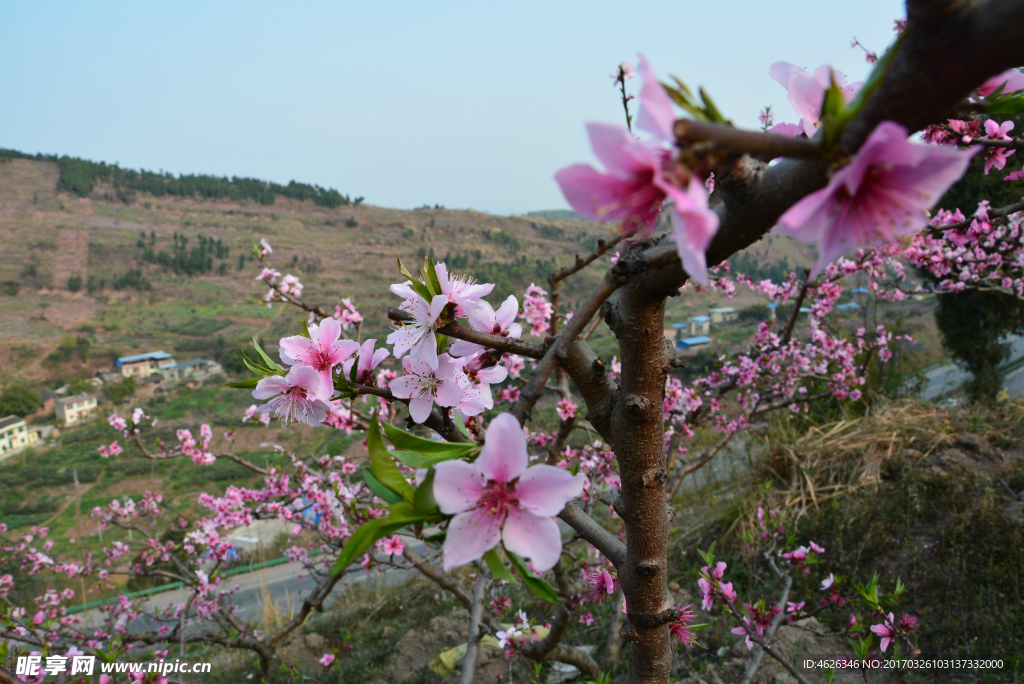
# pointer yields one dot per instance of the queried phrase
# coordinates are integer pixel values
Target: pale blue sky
(465, 104)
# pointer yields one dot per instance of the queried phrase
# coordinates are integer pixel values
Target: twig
(1014, 144)
(758, 655)
(992, 214)
(795, 314)
(604, 541)
(578, 266)
(473, 643)
(761, 144)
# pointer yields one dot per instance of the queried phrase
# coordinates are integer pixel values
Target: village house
(198, 369)
(700, 325)
(143, 365)
(75, 410)
(722, 314)
(15, 435)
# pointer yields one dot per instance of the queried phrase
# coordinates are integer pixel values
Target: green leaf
(423, 498)
(1010, 104)
(305, 329)
(383, 465)
(410, 458)
(378, 488)
(255, 367)
(270, 362)
(244, 384)
(461, 425)
(430, 277)
(535, 584)
(415, 283)
(353, 371)
(437, 451)
(498, 569)
(713, 113)
(402, 515)
(357, 544)
(437, 537)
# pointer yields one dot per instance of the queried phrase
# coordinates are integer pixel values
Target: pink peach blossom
(1011, 80)
(807, 92)
(881, 195)
(321, 351)
(424, 386)
(293, 397)
(498, 497)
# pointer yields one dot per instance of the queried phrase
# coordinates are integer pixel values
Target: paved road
(285, 585)
(948, 377)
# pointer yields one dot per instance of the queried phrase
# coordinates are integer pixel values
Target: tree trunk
(637, 436)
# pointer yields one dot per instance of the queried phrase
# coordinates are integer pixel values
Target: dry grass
(827, 461)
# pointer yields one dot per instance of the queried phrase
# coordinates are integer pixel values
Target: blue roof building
(849, 306)
(859, 290)
(154, 356)
(701, 319)
(691, 342)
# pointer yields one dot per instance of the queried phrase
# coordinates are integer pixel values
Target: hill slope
(176, 272)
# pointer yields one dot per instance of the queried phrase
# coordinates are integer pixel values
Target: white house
(75, 410)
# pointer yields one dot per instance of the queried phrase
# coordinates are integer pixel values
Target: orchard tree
(849, 176)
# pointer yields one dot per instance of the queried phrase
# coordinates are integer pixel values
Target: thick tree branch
(757, 143)
(946, 54)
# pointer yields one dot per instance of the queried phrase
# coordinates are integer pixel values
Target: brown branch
(758, 655)
(768, 145)
(6, 677)
(699, 463)
(1001, 212)
(787, 335)
(587, 528)
(475, 614)
(766, 647)
(614, 278)
(510, 345)
(578, 265)
(942, 59)
(1012, 144)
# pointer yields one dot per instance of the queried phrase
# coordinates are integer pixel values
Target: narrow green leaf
(404, 271)
(255, 367)
(430, 277)
(498, 569)
(423, 498)
(535, 584)
(269, 361)
(353, 371)
(714, 114)
(383, 465)
(378, 488)
(438, 451)
(357, 544)
(402, 515)
(244, 384)
(461, 425)
(305, 329)
(437, 537)
(410, 458)
(1007, 105)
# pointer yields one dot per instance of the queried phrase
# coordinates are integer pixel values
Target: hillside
(176, 272)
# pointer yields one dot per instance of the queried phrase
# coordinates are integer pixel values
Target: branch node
(637, 407)
(654, 620)
(628, 633)
(647, 568)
